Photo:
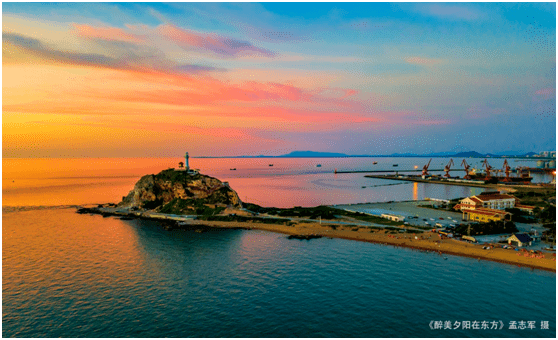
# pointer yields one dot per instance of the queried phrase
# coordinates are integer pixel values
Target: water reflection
(186, 247)
(290, 182)
(70, 275)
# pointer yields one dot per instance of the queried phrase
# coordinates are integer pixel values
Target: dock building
(520, 240)
(488, 206)
(395, 218)
(489, 200)
(485, 215)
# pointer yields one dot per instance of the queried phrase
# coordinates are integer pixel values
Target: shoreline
(546, 264)
(427, 241)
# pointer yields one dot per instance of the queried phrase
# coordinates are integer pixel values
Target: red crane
(488, 169)
(425, 168)
(448, 167)
(466, 166)
(506, 168)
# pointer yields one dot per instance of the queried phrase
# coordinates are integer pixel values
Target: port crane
(425, 168)
(506, 167)
(488, 169)
(466, 166)
(448, 167)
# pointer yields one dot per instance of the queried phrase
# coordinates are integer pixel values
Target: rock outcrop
(181, 190)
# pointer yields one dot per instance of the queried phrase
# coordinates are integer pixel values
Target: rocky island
(179, 192)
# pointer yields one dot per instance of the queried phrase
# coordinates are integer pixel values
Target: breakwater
(450, 181)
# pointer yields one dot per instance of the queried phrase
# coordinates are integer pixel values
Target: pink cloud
(546, 93)
(348, 93)
(107, 33)
(218, 45)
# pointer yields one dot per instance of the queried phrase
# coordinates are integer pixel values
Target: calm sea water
(289, 182)
(70, 275)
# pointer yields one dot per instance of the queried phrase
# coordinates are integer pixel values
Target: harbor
(486, 178)
(452, 181)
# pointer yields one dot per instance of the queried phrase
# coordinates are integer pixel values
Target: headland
(186, 199)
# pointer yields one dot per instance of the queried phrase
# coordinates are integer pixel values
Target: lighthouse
(187, 165)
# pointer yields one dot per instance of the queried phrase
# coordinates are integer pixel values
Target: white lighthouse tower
(187, 163)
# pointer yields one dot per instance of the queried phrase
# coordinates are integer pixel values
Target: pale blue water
(71, 275)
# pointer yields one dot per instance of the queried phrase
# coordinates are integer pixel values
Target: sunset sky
(149, 80)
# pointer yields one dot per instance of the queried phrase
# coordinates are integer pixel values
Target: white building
(395, 218)
(488, 200)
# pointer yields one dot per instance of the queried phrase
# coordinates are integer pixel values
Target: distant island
(319, 154)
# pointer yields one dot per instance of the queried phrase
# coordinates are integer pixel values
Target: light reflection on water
(70, 275)
(290, 182)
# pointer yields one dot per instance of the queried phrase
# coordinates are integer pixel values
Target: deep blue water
(70, 275)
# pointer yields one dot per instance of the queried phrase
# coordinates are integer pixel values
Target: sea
(71, 275)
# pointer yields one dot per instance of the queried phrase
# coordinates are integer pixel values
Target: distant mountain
(500, 154)
(436, 154)
(442, 154)
(316, 154)
(474, 154)
(515, 153)
(403, 155)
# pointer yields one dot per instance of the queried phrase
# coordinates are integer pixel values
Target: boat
(395, 164)
(374, 162)
(233, 169)
(318, 166)
(270, 164)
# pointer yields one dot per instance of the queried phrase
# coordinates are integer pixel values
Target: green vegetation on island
(323, 212)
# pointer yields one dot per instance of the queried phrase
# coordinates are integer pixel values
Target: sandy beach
(427, 241)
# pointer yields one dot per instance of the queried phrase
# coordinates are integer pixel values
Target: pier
(452, 181)
(394, 170)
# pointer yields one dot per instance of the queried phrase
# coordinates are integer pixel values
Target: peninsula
(186, 199)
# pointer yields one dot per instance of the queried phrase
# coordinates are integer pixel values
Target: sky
(228, 79)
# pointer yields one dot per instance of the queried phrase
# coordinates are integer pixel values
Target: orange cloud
(107, 33)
